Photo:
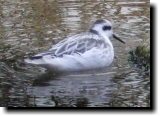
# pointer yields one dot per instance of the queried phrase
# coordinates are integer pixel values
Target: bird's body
(84, 51)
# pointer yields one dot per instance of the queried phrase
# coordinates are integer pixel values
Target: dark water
(31, 26)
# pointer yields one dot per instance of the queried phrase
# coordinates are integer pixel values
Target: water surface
(31, 26)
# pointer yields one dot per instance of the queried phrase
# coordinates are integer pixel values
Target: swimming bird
(84, 51)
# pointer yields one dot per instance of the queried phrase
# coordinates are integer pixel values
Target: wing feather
(75, 44)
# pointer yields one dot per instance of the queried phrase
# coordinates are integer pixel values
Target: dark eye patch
(106, 27)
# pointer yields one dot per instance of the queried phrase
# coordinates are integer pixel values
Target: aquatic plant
(140, 57)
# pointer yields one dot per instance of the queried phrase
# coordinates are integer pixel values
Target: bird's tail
(35, 60)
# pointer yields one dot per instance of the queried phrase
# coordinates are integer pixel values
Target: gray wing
(75, 45)
(78, 47)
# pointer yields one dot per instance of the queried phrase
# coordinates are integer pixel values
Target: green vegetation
(140, 57)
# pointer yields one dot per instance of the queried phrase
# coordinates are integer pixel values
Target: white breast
(94, 58)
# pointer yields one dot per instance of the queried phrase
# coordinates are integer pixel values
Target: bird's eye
(106, 28)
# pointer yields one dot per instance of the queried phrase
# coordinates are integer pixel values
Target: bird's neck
(107, 40)
(93, 31)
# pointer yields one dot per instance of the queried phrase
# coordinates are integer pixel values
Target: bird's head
(104, 28)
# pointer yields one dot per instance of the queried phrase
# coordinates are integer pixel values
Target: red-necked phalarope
(84, 51)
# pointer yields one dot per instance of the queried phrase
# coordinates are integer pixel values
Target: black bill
(114, 36)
